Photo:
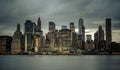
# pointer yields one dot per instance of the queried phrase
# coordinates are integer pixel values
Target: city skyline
(63, 41)
(61, 12)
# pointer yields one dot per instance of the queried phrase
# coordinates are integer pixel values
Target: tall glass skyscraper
(81, 33)
(108, 33)
(29, 31)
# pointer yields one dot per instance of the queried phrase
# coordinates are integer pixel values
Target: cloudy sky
(62, 12)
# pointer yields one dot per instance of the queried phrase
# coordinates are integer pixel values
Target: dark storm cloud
(62, 12)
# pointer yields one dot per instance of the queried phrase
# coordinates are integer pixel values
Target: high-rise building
(108, 33)
(80, 26)
(5, 44)
(81, 34)
(38, 37)
(73, 36)
(101, 33)
(29, 31)
(16, 46)
(96, 40)
(36, 44)
(65, 39)
(89, 43)
(51, 41)
(51, 37)
(51, 26)
(99, 39)
(72, 27)
(38, 24)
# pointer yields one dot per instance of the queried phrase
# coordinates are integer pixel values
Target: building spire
(39, 24)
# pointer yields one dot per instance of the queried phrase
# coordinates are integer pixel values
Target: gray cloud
(62, 12)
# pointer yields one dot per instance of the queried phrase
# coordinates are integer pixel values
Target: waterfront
(59, 62)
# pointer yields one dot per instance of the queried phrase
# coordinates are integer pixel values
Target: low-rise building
(5, 44)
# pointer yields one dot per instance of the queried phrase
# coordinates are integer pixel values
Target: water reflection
(43, 62)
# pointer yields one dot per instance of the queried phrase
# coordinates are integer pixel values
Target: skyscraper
(80, 26)
(29, 31)
(72, 27)
(38, 37)
(108, 34)
(89, 43)
(99, 39)
(51, 26)
(39, 24)
(16, 46)
(81, 33)
(73, 36)
(51, 37)
(65, 39)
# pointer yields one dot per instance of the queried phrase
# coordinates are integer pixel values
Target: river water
(59, 62)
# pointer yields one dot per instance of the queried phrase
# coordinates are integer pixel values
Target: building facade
(108, 34)
(51, 26)
(74, 36)
(52, 38)
(5, 44)
(65, 39)
(99, 39)
(89, 43)
(29, 32)
(38, 37)
(81, 34)
(16, 46)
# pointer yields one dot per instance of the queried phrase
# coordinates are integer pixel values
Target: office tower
(74, 36)
(101, 33)
(72, 27)
(5, 44)
(44, 43)
(108, 33)
(51, 42)
(51, 26)
(99, 39)
(65, 39)
(29, 31)
(38, 37)
(89, 43)
(81, 34)
(16, 46)
(96, 40)
(39, 24)
(51, 37)
(36, 44)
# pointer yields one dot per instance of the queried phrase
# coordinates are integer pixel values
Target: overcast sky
(62, 12)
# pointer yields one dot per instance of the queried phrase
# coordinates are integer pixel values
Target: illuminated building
(51, 37)
(65, 39)
(29, 31)
(38, 37)
(17, 41)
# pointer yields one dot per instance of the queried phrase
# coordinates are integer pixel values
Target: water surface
(59, 62)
